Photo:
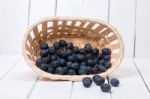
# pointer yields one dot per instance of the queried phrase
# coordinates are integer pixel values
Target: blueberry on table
(38, 62)
(106, 51)
(51, 50)
(56, 45)
(98, 80)
(88, 48)
(69, 45)
(105, 88)
(87, 82)
(43, 66)
(107, 64)
(60, 71)
(43, 46)
(62, 43)
(71, 72)
(43, 53)
(95, 51)
(114, 82)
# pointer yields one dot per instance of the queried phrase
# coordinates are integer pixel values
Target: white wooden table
(130, 17)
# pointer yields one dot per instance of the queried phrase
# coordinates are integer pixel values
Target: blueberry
(45, 59)
(56, 45)
(102, 68)
(98, 80)
(95, 51)
(38, 62)
(51, 70)
(106, 51)
(88, 48)
(105, 87)
(114, 82)
(43, 46)
(69, 64)
(71, 72)
(95, 69)
(51, 50)
(82, 70)
(101, 62)
(90, 62)
(60, 71)
(43, 66)
(107, 57)
(43, 53)
(107, 64)
(71, 58)
(89, 70)
(69, 45)
(61, 53)
(53, 57)
(76, 49)
(99, 56)
(83, 63)
(75, 66)
(65, 70)
(69, 52)
(80, 57)
(89, 56)
(82, 51)
(87, 82)
(55, 63)
(62, 43)
(62, 62)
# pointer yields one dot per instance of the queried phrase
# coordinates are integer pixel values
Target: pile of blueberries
(64, 58)
(100, 81)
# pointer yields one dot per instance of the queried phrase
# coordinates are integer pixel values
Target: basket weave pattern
(77, 30)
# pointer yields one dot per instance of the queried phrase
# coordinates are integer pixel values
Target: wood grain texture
(142, 29)
(122, 16)
(13, 23)
(131, 83)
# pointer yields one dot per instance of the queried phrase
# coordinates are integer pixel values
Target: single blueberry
(69, 52)
(83, 63)
(54, 57)
(69, 45)
(76, 49)
(61, 53)
(62, 43)
(107, 57)
(80, 57)
(51, 70)
(43, 46)
(71, 58)
(101, 62)
(65, 70)
(89, 70)
(99, 56)
(95, 69)
(75, 66)
(55, 63)
(105, 88)
(87, 82)
(90, 62)
(107, 64)
(89, 56)
(82, 70)
(51, 50)
(95, 51)
(88, 48)
(62, 62)
(114, 82)
(60, 71)
(71, 72)
(106, 51)
(98, 80)
(43, 66)
(38, 62)
(46, 59)
(102, 68)
(69, 64)
(43, 53)
(56, 45)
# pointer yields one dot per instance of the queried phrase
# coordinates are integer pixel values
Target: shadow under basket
(77, 30)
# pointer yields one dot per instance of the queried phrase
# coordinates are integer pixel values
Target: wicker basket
(77, 30)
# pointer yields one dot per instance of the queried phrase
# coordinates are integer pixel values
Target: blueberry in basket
(65, 58)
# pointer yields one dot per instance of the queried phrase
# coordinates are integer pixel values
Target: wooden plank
(94, 92)
(40, 9)
(6, 63)
(142, 29)
(13, 23)
(122, 16)
(51, 89)
(131, 83)
(84, 8)
(144, 67)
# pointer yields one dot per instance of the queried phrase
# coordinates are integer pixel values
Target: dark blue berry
(106, 51)
(62, 62)
(114, 82)
(60, 71)
(53, 57)
(43, 66)
(95, 51)
(61, 53)
(43, 53)
(76, 49)
(71, 58)
(43, 46)
(82, 51)
(89, 56)
(62, 43)
(88, 48)
(75, 66)
(82, 70)
(101, 62)
(87, 82)
(69, 45)
(69, 64)
(71, 72)
(45, 59)
(107, 64)
(105, 87)
(107, 57)
(51, 70)
(98, 80)
(99, 56)
(69, 52)
(83, 63)
(55, 63)
(51, 50)
(90, 62)
(38, 62)
(80, 57)
(102, 68)
(95, 69)
(65, 70)
(89, 70)
(56, 45)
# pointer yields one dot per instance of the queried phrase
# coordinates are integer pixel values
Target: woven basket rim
(68, 77)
